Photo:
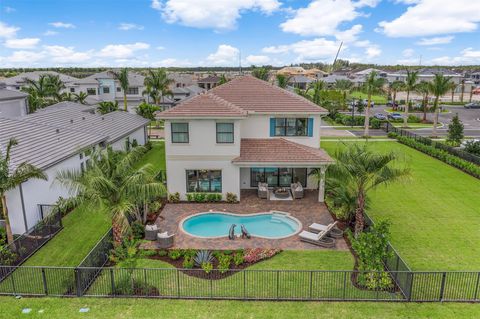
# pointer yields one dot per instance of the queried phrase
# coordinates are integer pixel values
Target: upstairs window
(91, 91)
(119, 89)
(132, 91)
(225, 133)
(72, 90)
(291, 127)
(106, 90)
(179, 132)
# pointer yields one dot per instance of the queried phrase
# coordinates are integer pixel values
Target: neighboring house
(475, 77)
(291, 70)
(425, 74)
(12, 103)
(299, 81)
(209, 82)
(181, 80)
(239, 134)
(183, 93)
(16, 82)
(57, 138)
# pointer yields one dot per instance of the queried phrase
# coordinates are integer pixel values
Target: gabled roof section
(255, 95)
(279, 150)
(204, 105)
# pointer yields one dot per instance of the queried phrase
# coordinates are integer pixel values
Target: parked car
(390, 104)
(473, 105)
(395, 116)
(380, 116)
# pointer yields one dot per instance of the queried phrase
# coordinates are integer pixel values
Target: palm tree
(361, 170)
(423, 89)
(107, 107)
(157, 85)
(345, 86)
(12, 178)
(147, 111)
(438, 87)
(410, 83)
(113, 181)
(395, 87)
(260, 73)
(80, 97)
(282, 80)
(462, 92)
(223, 79)
(55, 87)
(317, 87)
(35, 102)
(40, 87)
(122, 77)
(372, 85)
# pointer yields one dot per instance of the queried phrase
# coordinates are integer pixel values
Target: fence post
(396, 268)
(14, 288)
(410, 290)
(44, 279)
(112, 281)
(78, 281)
(244, 284)
(344, 285)
(178, 284)
(311, 285)
(278, 284)
(476, 287)
(442, 287)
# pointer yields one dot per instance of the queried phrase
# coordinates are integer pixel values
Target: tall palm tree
(39, 87)
(410, 83)
(80, 97)
(423, 89)
(122, 77)
(438, 87)
(55, 87)
(35, 102)
(10, 179)
(345, 86)
(147, 111)
(361, 170)
(395, 87)
(282, 80)
(107, 107)
(317, 87)
(113, 181)
(372, 85)
(158, 85)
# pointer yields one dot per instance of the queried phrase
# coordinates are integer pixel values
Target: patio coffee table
(282, 192)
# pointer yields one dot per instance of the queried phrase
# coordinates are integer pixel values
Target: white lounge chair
(320, 239)
(330, 228)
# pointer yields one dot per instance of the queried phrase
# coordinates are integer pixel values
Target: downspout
(23, 208)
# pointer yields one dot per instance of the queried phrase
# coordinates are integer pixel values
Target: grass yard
(118, 308)
(378, 99)
(435, 215)
(156, 156)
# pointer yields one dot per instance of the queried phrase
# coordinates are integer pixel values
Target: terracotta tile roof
(242, 95)
(204, 106)
(279, 150)
(255, 95)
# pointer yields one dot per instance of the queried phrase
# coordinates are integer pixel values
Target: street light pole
(353, 112)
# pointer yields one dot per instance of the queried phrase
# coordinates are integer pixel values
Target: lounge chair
(165, 240)
(263, 190)
(151, 232)
(333, 231)
(320, 239)
(297, 190)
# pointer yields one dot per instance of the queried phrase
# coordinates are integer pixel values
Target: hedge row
(467, 167)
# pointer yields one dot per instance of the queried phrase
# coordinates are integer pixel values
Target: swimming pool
(271, 225)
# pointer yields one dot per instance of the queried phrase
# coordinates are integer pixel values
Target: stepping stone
(84, 310)
(26, 310)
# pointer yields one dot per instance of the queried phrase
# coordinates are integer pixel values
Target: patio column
(321, 185)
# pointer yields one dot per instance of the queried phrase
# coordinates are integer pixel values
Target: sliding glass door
(277, 177)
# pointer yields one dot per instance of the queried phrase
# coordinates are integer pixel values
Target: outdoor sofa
(321, 239)
(297, 190)
(333, 232)
(263, 190)
(165, 240)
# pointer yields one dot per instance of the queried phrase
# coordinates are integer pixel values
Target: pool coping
(300, 225)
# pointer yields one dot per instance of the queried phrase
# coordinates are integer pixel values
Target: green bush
(199, 197)
(413, 119)
(375, 123)
(238, 259)
(214, 197)
(232, 198)
(174, 254)
(138, 230)
(224, 263)
(473, 147)
(207, 267)
(188, 262)
(174, 197)
(162, 253)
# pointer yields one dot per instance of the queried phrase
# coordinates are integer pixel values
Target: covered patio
(307, 210)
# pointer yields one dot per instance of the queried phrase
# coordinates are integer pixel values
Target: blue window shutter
(272, 126)
(310, 127)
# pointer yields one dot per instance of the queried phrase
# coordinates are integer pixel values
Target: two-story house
(239, 134)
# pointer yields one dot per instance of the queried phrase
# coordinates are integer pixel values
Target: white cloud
(215, 14)
(25, 43)
(50, 33)
(373, 52)
(467, 56)
(172, 62)
(226, 55)
(308, 50)
(62, 25)
(9, 9)
(324, 17)
(122, 51)
(7, 31)
(21, 57)
(435, 40)
(130, 26)
(408, 53)
(257, 60)
(160, 48)
(66, 55)
(432, 17)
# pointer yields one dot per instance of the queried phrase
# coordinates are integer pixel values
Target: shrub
(214, 197)
(203, 256)
(371, 249)
(232, 198)
(224, 263)
(155, 206)
(392, 135)
(375, 123)
(188, 262)
(473, 147)
(190, 197)
(199, 197)
(413, 119)
(174, 254)
(455, 131)
(252, 255)
(238, 259)
(189, 253)
(174, 197)
(138, 230)
(162, 253)
(207, 267)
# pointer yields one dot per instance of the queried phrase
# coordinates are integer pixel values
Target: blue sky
(213, 32)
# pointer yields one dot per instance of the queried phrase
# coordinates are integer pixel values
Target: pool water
(217, 224)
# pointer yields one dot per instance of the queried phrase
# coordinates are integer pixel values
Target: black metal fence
(388, 127)
(89, 268)
(236, 284)
(28, 243)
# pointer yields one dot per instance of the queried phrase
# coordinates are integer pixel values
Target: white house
(57, 138)
(12, 103)
(239, 134)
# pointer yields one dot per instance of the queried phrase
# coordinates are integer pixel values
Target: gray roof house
(60, 138)
(12, 103)
(16, 82)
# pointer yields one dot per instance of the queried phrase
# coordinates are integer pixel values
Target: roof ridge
(227, 103)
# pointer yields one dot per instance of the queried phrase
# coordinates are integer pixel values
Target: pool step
(277, 219)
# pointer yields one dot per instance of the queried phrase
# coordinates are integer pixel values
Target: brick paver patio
(307, 210)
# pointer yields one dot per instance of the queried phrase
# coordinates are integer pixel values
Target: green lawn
(378, 99)
(118, 308)
(82, 229)
(435, 215)
(156, 156)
